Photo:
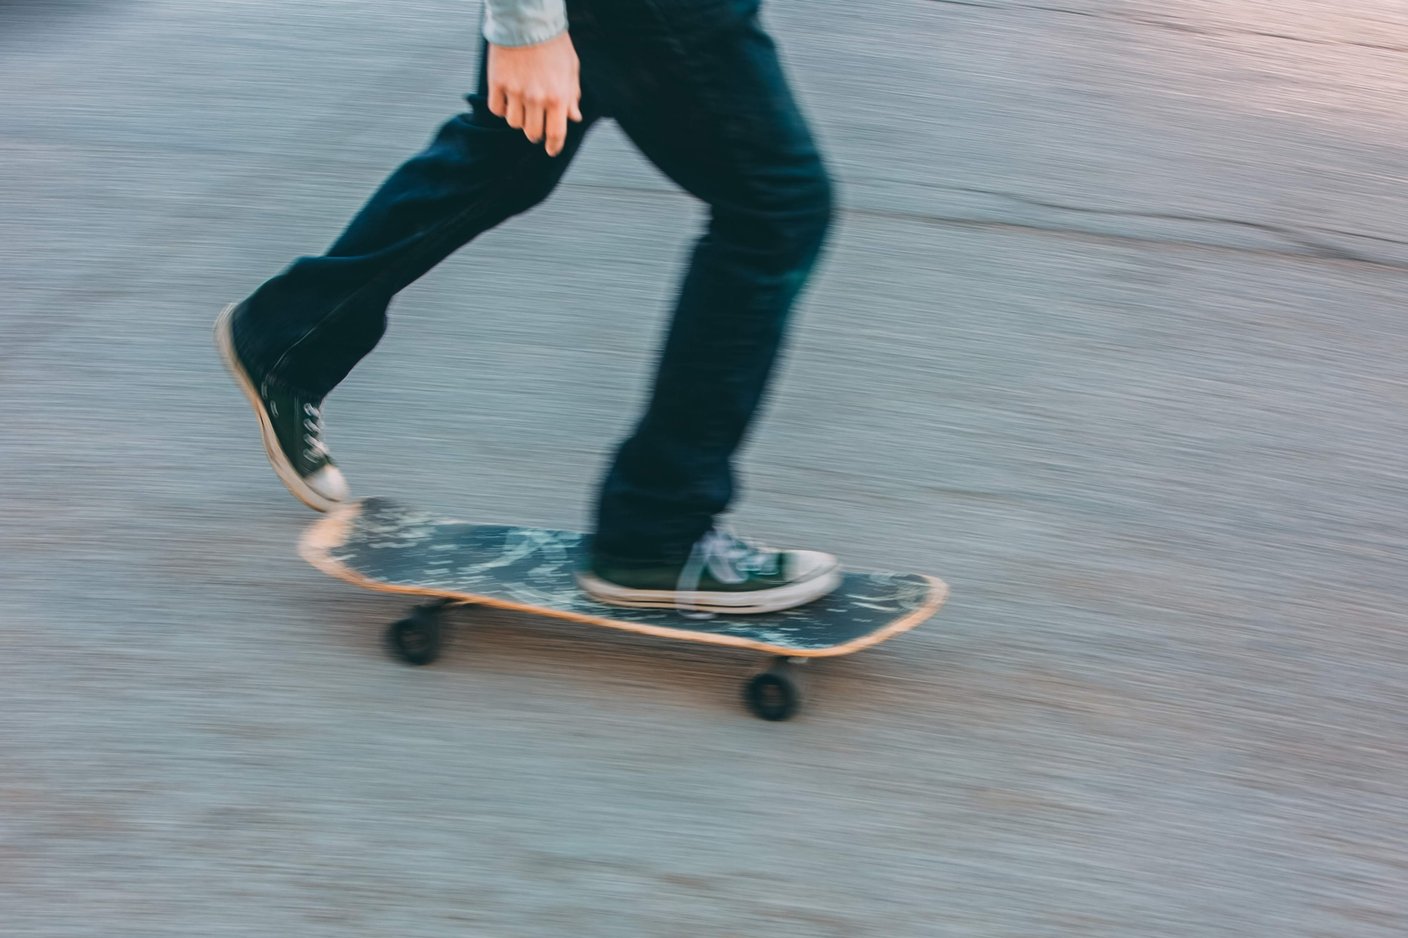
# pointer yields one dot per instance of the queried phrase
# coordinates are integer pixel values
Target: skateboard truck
(772, 694)
(418, 638)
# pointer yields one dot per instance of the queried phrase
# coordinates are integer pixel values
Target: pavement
(1110, 337)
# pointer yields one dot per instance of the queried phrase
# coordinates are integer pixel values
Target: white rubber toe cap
(806, 565)
(329, 483)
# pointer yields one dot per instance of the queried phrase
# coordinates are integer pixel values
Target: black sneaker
(724, 574)
(292, 426)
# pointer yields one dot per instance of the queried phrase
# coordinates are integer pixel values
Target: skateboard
(382, 545)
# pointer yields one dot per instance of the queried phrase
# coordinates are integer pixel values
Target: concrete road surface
(1111, 337)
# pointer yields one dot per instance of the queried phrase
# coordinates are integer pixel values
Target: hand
(535, 89)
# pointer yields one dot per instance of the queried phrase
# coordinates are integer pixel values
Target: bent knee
(787, 220)
(817, 202)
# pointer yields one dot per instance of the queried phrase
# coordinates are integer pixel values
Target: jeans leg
(311, 324)
(707, 101)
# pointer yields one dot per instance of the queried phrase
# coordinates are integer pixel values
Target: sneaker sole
(753, 602)
(224, 342)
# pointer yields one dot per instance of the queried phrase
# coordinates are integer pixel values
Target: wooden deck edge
(324, 536)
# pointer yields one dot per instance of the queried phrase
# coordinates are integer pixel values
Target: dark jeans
(697, 86)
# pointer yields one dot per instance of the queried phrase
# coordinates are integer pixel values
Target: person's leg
(299, 334)
(706, 100)
(311, 324)
(699, 89)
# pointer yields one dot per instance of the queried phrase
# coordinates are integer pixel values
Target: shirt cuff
(523, 22)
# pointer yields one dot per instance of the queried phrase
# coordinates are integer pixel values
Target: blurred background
(1110, 337)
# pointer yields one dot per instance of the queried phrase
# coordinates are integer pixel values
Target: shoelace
(315, 450)
(729, 558)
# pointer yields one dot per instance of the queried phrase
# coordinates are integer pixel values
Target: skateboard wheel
(416, 638)
(771, 696)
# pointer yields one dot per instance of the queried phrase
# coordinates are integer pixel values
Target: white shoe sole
(224, 341)
(752, 602)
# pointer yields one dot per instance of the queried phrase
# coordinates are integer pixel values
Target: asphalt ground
(1109, 337)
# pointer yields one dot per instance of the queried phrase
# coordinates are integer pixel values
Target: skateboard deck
(382, 545)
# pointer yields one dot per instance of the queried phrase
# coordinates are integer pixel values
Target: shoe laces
(727, 557)
(314, 449)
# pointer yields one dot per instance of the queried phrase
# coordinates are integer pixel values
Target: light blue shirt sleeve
(523, 22)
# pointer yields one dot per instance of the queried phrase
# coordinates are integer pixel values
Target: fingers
(513, 114)
(498, 100)
(541, 119)
(534, 118)
(555, 129)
